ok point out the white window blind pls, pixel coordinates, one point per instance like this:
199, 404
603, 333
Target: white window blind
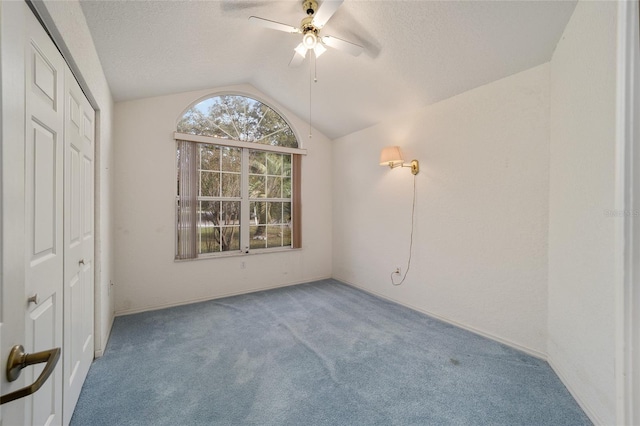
187, 200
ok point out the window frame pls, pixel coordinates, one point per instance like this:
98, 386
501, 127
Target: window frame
237, 144
296, 176
296, 198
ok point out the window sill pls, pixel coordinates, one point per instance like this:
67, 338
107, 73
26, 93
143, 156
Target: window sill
238, 254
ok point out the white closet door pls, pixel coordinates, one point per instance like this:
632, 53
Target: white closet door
43, 200
78, 241
44, 150
47, 236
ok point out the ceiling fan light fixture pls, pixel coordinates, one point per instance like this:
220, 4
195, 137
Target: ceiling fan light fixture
310, 27
309, 40
301, 50
319, 50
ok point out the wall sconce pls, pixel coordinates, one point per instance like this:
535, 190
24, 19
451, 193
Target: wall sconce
391, 156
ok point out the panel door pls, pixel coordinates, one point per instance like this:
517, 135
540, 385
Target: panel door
32, 203
78, 242
44, 186
43, 199
12, 60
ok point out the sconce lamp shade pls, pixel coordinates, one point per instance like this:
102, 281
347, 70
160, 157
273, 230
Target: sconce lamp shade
391, 156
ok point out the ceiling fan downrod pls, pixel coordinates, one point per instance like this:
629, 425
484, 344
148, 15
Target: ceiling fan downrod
309, 7
309, 31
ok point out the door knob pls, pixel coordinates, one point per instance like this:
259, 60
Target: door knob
81, 262
33, 299
18, 360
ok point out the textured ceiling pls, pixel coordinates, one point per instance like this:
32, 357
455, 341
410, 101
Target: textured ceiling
416, 52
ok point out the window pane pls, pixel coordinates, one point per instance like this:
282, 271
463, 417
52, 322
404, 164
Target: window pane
231, 159
286, 235
208, 218
258, 213
286, 167
208, 240
274, 187
239, 118
257, 162
209, 212
274, 164
274, 236
286, 187
229, 232
230, 185
218, 226
286, 212
257, 235
230, 238
275, 212
230, 213
209, 157
257, 186
210, 184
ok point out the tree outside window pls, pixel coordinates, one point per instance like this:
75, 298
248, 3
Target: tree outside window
237, 198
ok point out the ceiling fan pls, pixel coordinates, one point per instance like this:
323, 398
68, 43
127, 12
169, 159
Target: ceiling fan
310, 27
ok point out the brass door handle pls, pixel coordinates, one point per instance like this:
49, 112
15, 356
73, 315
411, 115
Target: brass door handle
19, 360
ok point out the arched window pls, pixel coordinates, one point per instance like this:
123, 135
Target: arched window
239, 118
238, 179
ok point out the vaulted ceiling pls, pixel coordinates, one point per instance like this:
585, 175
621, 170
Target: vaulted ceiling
416, 52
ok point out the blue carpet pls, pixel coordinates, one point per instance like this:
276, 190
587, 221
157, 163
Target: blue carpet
315, 354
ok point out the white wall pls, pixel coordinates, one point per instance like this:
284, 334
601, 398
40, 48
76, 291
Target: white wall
147, 277
479, 254
68, 27
628, 373
582, 246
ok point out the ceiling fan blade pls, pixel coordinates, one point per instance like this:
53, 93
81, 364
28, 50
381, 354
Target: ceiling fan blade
297, 58
325, 12
345, 46
267, 23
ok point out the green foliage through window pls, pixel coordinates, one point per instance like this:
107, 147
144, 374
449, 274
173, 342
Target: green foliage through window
225, 184
239, 118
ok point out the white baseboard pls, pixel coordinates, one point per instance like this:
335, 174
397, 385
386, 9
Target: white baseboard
217, 296
581, 402
529, 351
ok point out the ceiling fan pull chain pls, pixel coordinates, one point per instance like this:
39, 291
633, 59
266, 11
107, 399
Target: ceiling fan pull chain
315, 67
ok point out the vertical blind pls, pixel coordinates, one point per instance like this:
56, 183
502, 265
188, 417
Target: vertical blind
187, 200
297, 201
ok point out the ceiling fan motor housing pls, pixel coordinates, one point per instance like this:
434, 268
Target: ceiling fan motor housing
307, 25
309, 7
309, 31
